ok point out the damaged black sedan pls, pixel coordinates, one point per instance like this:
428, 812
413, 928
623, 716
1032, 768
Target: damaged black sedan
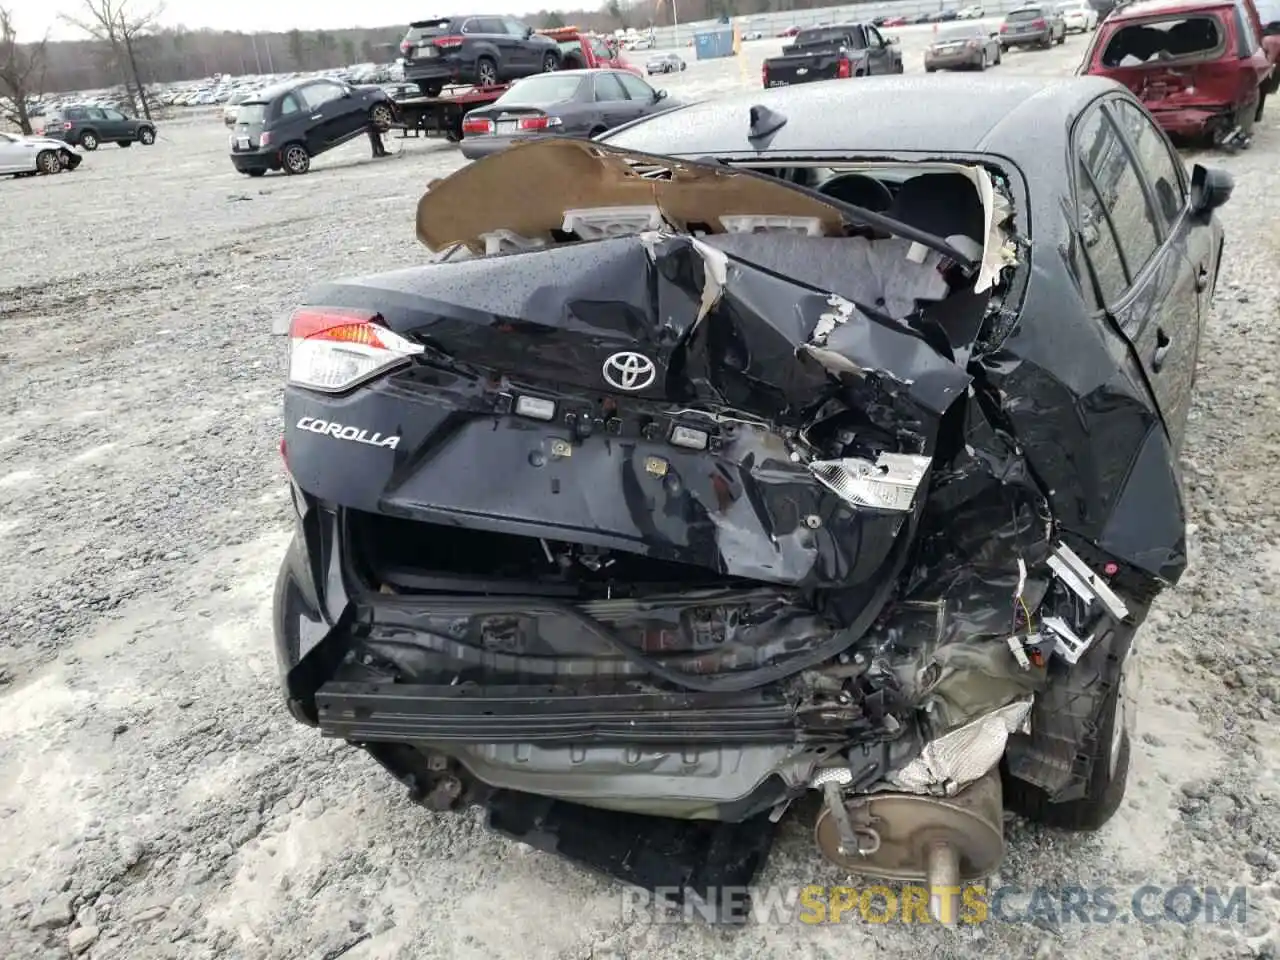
816, 440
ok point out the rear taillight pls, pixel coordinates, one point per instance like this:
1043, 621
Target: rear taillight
477, 125
764, 74
406, 47
334, 349
1039, 24
843, 68
1004, 28
68, 125
264, 139
538, 123
448, 43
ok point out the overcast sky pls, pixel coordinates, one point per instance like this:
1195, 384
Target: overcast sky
33, 17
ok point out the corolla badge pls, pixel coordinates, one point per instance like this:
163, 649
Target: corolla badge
629, 371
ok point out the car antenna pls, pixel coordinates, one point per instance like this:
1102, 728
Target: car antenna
764, 122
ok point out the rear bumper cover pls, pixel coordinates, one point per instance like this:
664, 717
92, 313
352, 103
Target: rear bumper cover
258, 160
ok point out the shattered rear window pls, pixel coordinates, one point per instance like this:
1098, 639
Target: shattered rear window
1162, 41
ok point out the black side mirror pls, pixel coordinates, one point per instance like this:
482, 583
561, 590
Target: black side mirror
528, 32
1211, 187
659, 95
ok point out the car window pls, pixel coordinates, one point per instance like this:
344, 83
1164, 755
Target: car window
252, 113
1249, 38
291, 103
316, 95
1162, 166
874, 36
1174, 39
636, 88
472, 26
608, 88
94, 113
1119, 200
1097, 242
75, 113
1026, 13
600, 50
541, 89
515, 27
489, 25
113, 114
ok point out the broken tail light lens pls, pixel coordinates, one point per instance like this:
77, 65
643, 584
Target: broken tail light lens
890, 483
448, 43
477, 125
538, 123
844, 68
333, 349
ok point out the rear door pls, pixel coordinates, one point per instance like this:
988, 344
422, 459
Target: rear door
492, 31
613, 104
1134, 231
525, 56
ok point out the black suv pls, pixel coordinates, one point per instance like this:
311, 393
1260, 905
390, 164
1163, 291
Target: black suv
480, 50
283, 127
86, 126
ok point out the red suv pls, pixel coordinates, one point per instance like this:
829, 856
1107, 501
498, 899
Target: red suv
1199, 66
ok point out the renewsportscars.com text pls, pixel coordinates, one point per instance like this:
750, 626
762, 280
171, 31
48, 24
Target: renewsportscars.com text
974, 903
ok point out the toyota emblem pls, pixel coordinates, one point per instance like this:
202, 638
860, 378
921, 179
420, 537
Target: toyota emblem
629, 371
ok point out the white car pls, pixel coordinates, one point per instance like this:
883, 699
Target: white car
1079, 16
969, 13
23, 155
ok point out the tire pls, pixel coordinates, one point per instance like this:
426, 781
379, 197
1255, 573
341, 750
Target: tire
550, 63
124, 143
295, 159
1105, 737
1262, 102
596, 131
430, 89
381, 117
486, 73
1062, 39
999, 55
146, 136
89, 140
982, 64
930, 69
47, 162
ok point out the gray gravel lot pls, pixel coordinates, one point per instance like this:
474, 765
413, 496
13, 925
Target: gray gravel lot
157, 801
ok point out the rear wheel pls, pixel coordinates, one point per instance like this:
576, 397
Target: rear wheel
89, 140
47, 162
295, 159
1062, 39
124, 143
430, 89
550, 63
983, 63
486, 72
146, 136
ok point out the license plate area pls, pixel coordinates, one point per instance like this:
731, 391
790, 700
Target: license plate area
505, 127
242, 143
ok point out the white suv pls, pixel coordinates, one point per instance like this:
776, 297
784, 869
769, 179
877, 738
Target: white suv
1079, 15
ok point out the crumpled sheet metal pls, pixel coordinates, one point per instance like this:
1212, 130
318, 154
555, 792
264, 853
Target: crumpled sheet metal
951, 762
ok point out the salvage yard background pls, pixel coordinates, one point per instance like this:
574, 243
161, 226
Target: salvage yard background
157, 801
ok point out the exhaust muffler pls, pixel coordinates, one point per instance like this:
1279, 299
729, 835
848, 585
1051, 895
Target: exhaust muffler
940, 842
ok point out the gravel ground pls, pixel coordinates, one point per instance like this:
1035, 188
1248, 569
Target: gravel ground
157, 801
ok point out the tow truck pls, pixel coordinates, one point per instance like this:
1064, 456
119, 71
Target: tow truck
442, 115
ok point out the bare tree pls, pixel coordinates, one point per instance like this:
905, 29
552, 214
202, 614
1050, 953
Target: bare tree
21, 72
118, 24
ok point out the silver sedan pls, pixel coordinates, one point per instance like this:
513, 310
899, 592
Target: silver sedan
970, 46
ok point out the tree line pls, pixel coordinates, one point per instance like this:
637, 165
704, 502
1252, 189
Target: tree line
126, 44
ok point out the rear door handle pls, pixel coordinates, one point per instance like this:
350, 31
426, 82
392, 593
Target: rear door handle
317, 116
1163, 343
1202, 278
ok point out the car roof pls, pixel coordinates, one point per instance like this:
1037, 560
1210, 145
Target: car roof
1155, 8
894, 114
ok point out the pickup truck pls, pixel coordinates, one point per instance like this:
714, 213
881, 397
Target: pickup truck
833, 52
